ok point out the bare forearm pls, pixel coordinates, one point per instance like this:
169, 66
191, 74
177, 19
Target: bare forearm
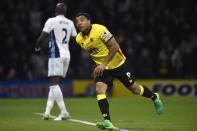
38, 43
113, 48
41, 39
111, 54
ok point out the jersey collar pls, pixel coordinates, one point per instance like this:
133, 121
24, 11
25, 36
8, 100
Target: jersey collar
60, 15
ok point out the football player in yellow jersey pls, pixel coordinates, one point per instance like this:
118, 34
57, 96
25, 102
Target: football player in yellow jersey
110, 63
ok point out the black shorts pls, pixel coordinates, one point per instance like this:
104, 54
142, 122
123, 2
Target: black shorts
122, 73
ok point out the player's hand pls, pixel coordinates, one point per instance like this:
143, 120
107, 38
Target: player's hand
98, 71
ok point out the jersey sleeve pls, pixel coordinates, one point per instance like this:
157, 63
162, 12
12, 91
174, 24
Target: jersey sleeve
73, 31
48, 27
105, 35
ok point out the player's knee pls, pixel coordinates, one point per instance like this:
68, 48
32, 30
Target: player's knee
101, 88
134, 90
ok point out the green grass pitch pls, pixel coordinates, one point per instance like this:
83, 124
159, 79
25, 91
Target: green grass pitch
135, 114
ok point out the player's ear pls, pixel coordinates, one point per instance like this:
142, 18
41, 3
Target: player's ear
89, 21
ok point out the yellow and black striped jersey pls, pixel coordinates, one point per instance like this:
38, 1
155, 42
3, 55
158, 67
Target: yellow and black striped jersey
94, 44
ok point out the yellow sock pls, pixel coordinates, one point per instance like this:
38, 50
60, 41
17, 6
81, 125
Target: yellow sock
141, 89
101, 96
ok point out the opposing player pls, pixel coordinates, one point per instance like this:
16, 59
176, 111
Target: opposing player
110, 63
59, 29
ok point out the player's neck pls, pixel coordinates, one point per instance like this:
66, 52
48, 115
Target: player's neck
87, 31
59, 14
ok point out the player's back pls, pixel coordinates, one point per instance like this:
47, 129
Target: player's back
61, 29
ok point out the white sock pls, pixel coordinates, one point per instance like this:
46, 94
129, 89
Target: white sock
50, 101
59, 99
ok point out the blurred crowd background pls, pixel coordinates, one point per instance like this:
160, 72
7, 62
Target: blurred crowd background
158, 37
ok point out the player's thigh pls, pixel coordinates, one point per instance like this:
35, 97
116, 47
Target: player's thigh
125, 74
104, 81
55, 67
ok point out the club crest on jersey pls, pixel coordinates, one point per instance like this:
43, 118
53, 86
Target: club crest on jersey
91, 50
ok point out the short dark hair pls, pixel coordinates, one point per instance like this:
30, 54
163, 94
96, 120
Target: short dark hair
84, 14
60, 8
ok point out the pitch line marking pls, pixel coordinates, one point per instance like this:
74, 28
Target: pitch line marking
81, 121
